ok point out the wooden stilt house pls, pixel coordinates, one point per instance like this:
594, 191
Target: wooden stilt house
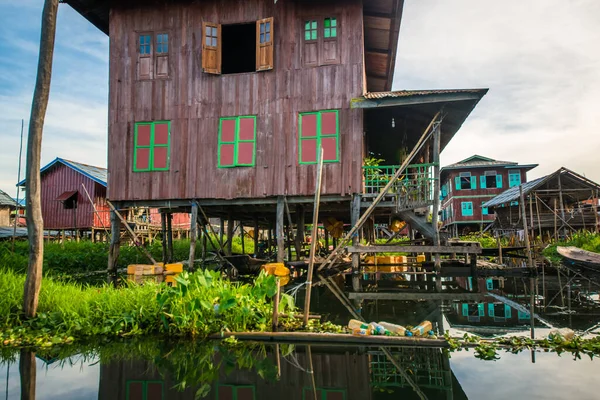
225, 104
7, 206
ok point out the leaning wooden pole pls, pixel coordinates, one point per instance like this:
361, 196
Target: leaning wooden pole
35, 223
529, 258
16, 221
193, 235
426, 135
313, 242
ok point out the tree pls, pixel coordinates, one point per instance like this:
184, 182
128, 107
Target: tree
35, 224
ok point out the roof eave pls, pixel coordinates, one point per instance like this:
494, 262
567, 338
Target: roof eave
363, 102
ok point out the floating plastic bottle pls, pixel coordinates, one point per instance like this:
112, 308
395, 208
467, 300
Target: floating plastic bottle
361, 331
565, 333
356, 324
377, 329
397, 329
422, 328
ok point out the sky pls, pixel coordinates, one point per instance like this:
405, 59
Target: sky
539, 58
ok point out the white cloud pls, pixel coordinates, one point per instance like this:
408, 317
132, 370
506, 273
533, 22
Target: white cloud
540, 60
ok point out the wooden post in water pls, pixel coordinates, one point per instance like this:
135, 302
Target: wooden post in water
193, 235
221, 231
242, 233
299, 230
314, 238
499, 248
529, 259
27, 373
595, 208
354, 217
163, 229
531, 218
537, 211
230, 229
555, 217
170, 236
562, 204
279, 234
276, 306
115, 246
436, 195
256, 230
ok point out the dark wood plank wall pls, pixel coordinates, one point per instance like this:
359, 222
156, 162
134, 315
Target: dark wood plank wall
194, 101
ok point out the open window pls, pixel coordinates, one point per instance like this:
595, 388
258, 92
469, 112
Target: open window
237, 48
465, 181
68, 199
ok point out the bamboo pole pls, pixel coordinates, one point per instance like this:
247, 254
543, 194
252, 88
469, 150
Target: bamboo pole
95, 211
313, 243
311, 371
35, 223
193, 236
18, 187
163, 231
426, 135
562, 204
279, 230
276, 306
595, 208
255, 237
537, 211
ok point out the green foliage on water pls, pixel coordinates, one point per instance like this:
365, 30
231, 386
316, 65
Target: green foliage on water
486, 240
84, 256
202, 303
585, 240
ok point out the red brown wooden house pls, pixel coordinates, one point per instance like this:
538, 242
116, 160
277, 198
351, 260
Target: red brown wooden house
468, 184
226, 103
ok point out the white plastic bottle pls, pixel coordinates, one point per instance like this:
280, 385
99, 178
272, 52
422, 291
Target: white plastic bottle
397, 329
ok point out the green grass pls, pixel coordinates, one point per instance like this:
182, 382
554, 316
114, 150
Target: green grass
85, 256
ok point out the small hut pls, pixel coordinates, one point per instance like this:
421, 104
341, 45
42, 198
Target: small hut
7, 206
561, 202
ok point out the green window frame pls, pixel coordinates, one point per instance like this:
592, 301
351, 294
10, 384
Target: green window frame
144, 388
151, 146
322, 393
236, 142
311, 29
234, 390
330, 27
514, 178
467, 208
484, 210
319, 136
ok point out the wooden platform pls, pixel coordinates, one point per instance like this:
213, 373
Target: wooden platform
332, 338
415, 249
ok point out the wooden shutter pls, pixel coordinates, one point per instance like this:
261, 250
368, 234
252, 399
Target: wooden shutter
330, 52
246, 141
211, 48
473, 182
145, 51
329, 135
482, 179
457, 182
142, 145
227, 135
160, 156
264, 44
507, 312
308, 138
481, 309
498, 181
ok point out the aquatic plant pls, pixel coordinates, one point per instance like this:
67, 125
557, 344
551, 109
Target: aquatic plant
585, 240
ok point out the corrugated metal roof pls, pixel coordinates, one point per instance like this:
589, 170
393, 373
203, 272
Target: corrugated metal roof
6, 200
409, 93
97, 174
514, 193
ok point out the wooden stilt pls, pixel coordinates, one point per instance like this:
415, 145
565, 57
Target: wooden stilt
163, 228
269, 241
170, 236
242, 233
562, 204
279, 235
595, 208
256, 233
299, 231
115, 246
230, 230
193, 234
221, 231
326, 240
354, 217
276, 307
555, 224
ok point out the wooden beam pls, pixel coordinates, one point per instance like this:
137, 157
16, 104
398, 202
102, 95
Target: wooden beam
415, 249
362, 102
415, 296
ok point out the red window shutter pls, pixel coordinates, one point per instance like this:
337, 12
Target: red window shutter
329, 123
228, 130
246, 129
161, 157
329, 145
245, 154
135, 390
161, 134
154, 391
309, 125
245, 393
308, 150
142, 158
226, 155
143, 135
225, 392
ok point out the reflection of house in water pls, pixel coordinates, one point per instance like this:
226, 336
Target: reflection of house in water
339, 374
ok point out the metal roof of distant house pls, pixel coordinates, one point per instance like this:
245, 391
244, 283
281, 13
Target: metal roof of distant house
513, 193
6, 200
477, 161
97, 174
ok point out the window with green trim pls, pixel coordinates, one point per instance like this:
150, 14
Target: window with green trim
514, 177
152, 142
236, 392
323, 394
330, 28
467, 208
311, 30
237, 142
317, 130
145, 390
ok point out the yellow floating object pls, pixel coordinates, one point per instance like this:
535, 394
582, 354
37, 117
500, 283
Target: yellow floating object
334, 227
420, 258
397, 225
176, 267
170, 280
277, 269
